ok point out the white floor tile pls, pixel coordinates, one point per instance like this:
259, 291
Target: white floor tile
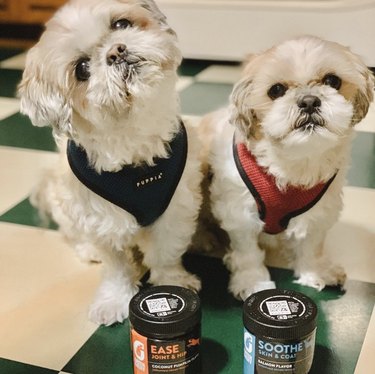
194, 121
351, 241
365, 364
183, 82
220, 74
45, 294
15, 62
20, 169
8, 107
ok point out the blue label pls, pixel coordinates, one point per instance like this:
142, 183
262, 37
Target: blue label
293, 356
249, 353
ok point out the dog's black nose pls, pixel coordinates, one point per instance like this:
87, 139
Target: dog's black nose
116, 54
309, 103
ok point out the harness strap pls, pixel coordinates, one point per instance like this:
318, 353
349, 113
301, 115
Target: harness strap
275, 207
144, 191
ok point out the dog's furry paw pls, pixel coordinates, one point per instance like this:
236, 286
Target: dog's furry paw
331, 276
245, 283
111, 304
175, 277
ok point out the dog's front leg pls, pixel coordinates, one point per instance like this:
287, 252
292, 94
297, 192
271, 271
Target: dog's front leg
313, 267
163, 251
117, 287
245, 261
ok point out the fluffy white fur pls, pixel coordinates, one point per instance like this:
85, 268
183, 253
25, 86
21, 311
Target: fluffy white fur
122, 114
297, 156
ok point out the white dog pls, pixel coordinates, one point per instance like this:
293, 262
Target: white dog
279, 155
103, 76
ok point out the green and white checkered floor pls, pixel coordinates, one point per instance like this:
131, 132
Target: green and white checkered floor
45, 291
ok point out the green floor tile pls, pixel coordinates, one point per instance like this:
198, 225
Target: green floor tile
342, 324
6, 53
201, 98
13, 367
9, 80
25, 214
17, 131
191, 68
107, 351
362, 170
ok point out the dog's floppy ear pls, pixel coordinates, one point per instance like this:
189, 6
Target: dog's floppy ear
151, 6
241, 115
363, 97
42, 99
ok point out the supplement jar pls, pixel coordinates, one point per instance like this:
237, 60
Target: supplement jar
279, 334
165, 329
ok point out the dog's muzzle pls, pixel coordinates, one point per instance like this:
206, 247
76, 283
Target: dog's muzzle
309, 104
118, 56
310, 117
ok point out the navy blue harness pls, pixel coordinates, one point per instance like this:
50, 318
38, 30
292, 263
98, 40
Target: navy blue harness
144, 191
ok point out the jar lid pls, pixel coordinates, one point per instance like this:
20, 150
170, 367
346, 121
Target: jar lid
279, 314
165, 311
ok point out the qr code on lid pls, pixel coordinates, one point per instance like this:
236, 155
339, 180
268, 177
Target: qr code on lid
276, 308
158, 305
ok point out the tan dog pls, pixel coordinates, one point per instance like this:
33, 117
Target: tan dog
279, 156
103, 75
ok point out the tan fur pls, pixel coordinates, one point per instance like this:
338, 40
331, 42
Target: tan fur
294, 156
123, 114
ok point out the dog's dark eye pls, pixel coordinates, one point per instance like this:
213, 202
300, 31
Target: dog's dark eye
332, 80
82, 70
277, 90
121, 24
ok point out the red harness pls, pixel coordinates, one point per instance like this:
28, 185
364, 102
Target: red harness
275, 207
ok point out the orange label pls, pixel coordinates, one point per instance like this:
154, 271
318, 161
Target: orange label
140, 353
193, 342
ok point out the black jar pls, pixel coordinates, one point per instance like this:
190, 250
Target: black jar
165, 329
279, 334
